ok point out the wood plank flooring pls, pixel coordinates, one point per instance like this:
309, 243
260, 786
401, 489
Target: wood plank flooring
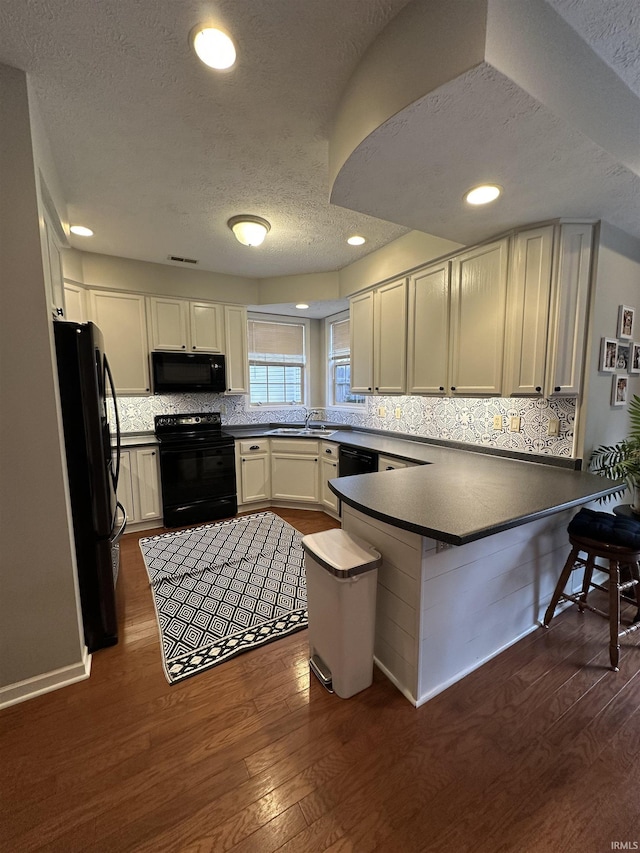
536, 751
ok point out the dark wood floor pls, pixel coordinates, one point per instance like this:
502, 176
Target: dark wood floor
537, 751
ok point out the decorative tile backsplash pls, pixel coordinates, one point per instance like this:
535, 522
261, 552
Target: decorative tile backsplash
467, 420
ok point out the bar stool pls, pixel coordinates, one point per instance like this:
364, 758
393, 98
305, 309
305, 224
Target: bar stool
616, 540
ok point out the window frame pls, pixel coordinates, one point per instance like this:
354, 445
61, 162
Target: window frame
287, 321
329, 367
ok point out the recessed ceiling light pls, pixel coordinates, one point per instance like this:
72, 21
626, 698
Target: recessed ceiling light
483, 194
356, 240
81, 231
213, 47
302, 306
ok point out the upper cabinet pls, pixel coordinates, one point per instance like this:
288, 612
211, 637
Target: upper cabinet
179, 324
477, 328
122, 320
378, 339
237, 359
428, 330
75, 305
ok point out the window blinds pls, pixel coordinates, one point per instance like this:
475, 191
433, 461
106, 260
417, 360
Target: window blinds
282, 343
340, 345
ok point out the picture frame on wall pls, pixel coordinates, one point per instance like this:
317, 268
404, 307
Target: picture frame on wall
623, 356
608, 355
619, 389
626, 319
634, 359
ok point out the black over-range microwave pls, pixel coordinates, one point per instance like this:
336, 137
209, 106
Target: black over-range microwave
185, 371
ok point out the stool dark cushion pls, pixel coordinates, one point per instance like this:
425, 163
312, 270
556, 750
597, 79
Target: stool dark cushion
614, 529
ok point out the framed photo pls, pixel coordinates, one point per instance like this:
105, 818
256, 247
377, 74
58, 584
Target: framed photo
634, 363
626, 317
608, 355
623, 356
619, 389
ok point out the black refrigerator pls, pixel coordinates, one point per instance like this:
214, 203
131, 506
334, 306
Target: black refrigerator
92, 446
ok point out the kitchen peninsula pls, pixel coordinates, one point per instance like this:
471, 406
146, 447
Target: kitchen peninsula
442, 611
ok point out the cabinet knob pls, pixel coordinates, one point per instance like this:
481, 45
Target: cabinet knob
453, 387
184, 346
442, 388
335, 464
389, 468
193, 347
328, 450
368, 389
153, 453
377, 388
147, 389
538, 389
557, 388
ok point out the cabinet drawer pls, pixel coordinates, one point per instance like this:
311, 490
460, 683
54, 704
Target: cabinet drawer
254, 445
329, 451
294, 445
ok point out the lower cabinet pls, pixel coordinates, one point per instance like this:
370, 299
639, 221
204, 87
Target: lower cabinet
328, 471
139, 484
295, 472
253, 470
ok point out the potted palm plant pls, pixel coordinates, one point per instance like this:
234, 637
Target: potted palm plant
621, 461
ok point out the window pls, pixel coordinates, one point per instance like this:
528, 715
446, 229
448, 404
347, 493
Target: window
277, 362
340, 364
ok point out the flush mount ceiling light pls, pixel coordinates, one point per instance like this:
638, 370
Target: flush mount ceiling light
81, 231
249, 230
302, 306
483, 194
213, 47
356, 240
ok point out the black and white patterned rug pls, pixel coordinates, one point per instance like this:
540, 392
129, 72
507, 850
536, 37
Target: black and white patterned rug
222, 589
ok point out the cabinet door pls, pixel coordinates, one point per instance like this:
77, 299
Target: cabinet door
478, 303
255, 477
237, 359
125, 485
74, 303
294, 477
569, 299
169, 323
206, 327
361, 331
528, 312
428, 331
121, 319
53, 268
328, 471
148, 483
390, 337
389, 463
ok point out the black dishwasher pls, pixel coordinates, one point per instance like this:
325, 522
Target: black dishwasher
353, 460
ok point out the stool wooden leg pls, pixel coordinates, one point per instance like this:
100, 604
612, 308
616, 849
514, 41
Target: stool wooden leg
614, 613
635, 572
562, 582
586, 580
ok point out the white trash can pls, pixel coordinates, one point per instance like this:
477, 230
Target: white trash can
342, 578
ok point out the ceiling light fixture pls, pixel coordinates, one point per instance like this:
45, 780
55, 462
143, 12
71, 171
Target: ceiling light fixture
483, 194
81, 231
302, 306
356, 240
213, 47
249, 230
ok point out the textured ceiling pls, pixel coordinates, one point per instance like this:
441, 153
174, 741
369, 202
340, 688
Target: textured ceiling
155, 152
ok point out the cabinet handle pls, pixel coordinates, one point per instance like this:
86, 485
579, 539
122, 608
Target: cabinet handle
538, 389
335, 464
389, 468
557, 388
453, 387
328, 450
255, 447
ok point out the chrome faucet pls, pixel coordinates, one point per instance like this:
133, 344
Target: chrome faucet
309, 413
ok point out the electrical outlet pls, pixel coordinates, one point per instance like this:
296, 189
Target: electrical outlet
514, 424
223, 409
398, 413
382, 411
497, 421
553, 427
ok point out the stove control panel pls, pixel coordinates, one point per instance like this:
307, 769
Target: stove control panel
203, 420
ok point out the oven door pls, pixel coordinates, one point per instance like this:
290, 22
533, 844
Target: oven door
198, 482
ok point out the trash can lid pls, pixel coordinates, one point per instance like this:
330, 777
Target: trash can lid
341, 553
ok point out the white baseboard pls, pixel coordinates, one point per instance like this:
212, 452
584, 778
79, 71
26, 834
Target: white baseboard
395, 681
21, 691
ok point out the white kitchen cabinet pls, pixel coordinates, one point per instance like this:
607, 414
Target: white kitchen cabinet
294, 470
180, 324
139, 484
328, 471
392, 463
478, 314
52, 266
568, 314
378, 330
75, 305
361, 332
253, 460
121, 318
428, 330
237, 358
528, 312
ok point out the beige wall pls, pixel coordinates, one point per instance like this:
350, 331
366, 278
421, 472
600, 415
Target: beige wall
617, 282
39, 621
311, 287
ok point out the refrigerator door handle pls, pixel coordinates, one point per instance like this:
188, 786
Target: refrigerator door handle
116, 537
109, 375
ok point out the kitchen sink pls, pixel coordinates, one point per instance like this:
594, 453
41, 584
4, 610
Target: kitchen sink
301, 431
